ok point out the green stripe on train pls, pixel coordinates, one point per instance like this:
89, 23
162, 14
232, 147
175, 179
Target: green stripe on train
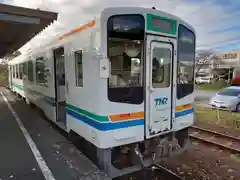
87, 113
76, 109
18, 86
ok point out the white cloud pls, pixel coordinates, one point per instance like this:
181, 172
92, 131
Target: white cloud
205, 16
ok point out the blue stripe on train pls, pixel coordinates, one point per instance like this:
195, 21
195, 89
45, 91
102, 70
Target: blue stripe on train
184, 112
105, 126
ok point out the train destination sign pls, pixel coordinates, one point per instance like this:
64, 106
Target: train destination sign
161, 24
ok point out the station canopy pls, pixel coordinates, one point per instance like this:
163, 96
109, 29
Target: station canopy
18, 25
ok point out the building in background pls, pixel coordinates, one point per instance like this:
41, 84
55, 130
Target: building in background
225, 64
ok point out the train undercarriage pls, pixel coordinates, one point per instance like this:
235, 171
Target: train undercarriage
134, 157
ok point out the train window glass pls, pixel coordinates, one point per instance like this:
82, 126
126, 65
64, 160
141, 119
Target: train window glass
12, 67
126, 26
186, 62
21, 71
30, 70
13, 71
161, 64
40, 71
125, 83
125, 51
25, 70
10, 70
17, 71
78, 68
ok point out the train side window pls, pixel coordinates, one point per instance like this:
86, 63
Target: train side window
25, 70
186, 62
30, 70
12, 67
78, 68
40, 71
17, 71
13, 70
21, 71
10, 70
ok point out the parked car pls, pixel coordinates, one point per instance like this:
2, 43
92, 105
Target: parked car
228, 98
203, 80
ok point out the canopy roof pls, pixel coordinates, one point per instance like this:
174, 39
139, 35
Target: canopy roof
18, 25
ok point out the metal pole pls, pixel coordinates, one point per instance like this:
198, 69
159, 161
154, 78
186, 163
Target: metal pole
228, 75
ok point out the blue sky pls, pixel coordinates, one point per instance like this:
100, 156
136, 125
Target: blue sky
232, 7
216, 21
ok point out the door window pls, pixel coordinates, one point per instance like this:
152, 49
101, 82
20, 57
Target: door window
161, 67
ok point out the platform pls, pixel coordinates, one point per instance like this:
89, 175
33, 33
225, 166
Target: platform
17, 160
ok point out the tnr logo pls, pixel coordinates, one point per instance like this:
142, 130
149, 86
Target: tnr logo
161, 101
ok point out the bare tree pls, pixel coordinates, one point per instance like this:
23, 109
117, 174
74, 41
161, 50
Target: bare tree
203, 57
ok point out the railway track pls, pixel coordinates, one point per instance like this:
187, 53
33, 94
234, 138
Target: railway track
221, 140
155, 172
165, 174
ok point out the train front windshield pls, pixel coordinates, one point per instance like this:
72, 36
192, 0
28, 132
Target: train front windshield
125, 51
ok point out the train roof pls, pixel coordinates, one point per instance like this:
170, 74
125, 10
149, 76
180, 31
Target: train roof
19, 25
109, 11
17, 59
105, 14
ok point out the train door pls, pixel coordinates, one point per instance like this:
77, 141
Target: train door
59, 76
160, 86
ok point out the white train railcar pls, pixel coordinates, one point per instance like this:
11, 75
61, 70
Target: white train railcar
124, 82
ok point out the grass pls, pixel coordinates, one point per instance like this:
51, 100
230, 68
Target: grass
219, 117
212, 87
235, 157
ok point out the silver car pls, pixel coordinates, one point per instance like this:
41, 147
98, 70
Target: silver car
228, 98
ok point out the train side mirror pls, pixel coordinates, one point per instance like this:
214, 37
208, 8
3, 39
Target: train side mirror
105, 66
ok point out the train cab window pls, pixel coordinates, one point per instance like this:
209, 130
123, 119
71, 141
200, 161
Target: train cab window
78, 68
161, 67
125, 52
40, 71
186, 62
30, 70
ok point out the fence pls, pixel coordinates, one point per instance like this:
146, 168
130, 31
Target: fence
224, 118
